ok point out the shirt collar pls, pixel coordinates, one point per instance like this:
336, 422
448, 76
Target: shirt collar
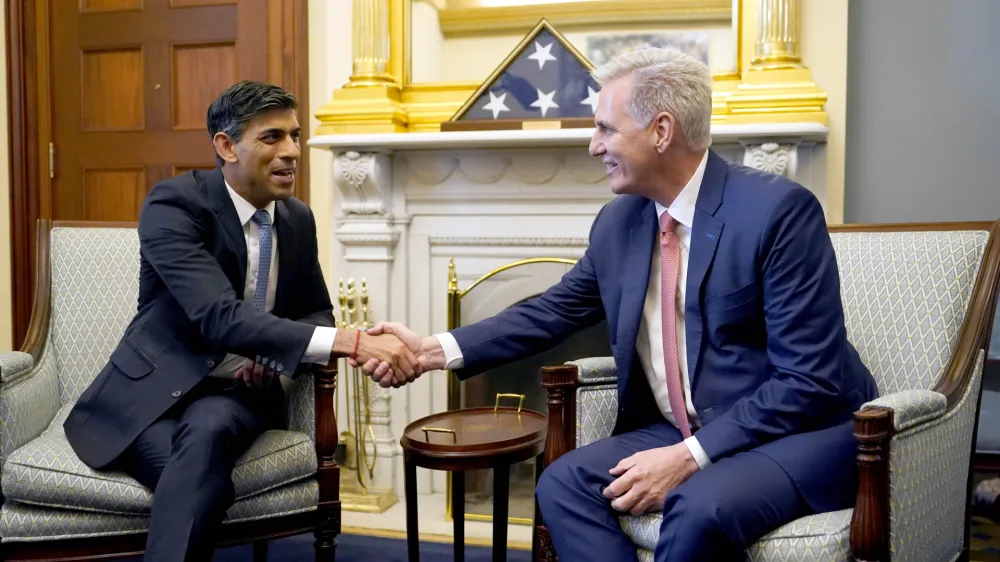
682, 209
244, 209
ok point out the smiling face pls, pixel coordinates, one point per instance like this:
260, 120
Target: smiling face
262, 165
627, 148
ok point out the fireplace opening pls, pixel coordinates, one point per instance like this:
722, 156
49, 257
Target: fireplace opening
495, 292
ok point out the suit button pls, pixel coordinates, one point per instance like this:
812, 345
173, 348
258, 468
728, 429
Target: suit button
210, 363
176, 394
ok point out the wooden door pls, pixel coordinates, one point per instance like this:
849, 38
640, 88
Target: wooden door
108, 97
132, 80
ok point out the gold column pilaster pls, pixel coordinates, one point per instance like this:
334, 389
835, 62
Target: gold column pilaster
370, 36
372, 101
778, 34
777, 86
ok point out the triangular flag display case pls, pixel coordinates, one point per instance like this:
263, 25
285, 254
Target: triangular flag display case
545, 83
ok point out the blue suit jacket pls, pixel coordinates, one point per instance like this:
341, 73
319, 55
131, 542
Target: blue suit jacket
191, 310
770, 366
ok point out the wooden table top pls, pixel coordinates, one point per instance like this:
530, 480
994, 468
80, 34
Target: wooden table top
472, 438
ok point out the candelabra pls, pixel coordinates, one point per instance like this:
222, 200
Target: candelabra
360, 454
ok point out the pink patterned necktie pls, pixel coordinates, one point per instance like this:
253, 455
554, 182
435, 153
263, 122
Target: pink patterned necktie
670, 262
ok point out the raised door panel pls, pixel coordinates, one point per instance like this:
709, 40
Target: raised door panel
132, 82
200, 73
113, 194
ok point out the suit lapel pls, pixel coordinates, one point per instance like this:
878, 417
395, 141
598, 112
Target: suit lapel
223, 207
635, 278
287, 256
705, 234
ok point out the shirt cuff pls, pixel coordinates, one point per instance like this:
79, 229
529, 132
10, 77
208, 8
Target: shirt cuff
320, 346
697, 452
452, 353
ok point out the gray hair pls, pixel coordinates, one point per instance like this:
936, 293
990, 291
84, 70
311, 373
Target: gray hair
666, 80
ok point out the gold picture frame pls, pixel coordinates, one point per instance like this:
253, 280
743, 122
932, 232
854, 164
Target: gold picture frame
769, 84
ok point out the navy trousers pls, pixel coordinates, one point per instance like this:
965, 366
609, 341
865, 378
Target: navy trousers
187, 457
714, 516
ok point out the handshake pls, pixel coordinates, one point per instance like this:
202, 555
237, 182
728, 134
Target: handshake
390, 353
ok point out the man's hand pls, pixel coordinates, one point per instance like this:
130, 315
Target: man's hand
254, 374
427, 350
381, 348
645, 478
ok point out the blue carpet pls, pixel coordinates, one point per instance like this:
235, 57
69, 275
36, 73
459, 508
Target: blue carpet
357, 548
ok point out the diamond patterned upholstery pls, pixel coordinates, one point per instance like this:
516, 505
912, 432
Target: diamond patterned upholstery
821, 538
45, 472
905, 297
911, 407
14, 364
49, 492
26, 523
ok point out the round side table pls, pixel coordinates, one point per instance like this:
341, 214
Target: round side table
470, 439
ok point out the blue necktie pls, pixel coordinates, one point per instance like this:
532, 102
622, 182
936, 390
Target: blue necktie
263, 221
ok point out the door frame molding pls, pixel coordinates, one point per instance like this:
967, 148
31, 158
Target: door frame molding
29, 110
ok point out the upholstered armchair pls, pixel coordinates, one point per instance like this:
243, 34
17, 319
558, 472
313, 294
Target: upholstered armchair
57, 508
918, 302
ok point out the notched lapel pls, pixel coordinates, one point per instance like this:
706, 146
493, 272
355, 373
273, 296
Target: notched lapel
704, 240
635, 279
288, 257
705, 235
223, 207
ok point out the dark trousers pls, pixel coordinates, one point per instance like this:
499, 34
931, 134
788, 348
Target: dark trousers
714, 516
186, 458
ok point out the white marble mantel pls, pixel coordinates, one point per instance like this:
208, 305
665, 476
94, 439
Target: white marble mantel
388, 143
407, 203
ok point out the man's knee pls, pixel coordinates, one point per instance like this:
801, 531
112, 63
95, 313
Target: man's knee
551, 484
695, 515
569, 475
212, 429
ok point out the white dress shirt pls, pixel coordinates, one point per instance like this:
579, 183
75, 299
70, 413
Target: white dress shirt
649, 342
321, 345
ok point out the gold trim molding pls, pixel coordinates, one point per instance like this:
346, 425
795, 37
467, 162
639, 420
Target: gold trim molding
771, 84
471, 19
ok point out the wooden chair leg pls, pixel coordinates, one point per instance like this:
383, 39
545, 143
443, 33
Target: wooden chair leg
544, 551
260, 551
326, 541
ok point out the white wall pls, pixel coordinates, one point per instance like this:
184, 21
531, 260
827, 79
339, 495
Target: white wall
329, 69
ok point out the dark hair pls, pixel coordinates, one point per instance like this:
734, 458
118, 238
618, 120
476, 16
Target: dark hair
241, 102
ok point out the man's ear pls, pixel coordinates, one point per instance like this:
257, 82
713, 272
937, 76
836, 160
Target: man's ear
663, 130
225, 147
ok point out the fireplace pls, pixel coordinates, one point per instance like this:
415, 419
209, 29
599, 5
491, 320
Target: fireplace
495, 291
407, 204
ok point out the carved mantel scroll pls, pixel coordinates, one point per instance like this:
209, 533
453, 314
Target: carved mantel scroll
364, 180
776, 158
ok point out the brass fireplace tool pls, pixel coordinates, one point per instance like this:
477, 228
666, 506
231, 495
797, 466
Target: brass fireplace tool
358, 491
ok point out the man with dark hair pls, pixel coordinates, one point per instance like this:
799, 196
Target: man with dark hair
230, 295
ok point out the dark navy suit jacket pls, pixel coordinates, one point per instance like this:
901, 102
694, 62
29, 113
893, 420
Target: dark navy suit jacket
193, 254
770, 366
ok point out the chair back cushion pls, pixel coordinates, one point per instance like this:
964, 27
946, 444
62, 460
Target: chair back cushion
905, 295
95, 287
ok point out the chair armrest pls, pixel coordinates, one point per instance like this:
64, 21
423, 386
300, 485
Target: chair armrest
595, 370
14, 365
911, 407
328, 472
29, 399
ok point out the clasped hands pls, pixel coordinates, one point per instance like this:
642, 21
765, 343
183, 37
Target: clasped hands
393, 355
